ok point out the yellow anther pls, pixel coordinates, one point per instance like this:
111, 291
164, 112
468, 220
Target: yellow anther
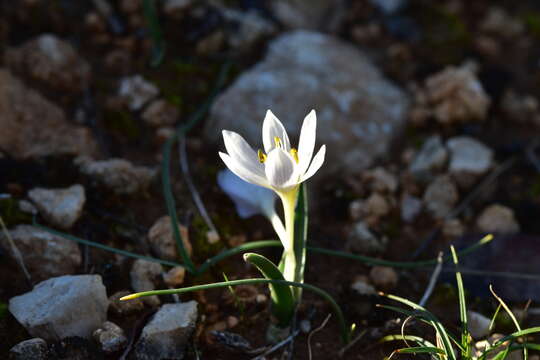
262, 156
294, 154
277, 140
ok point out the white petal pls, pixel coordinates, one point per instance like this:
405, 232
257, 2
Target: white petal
279, 168
249, 199
306, 145
271, 129
316, 164
245, 173
240, 150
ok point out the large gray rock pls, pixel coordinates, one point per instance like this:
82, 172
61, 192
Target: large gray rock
61, 307
31, 126
359, 112
166, 335
62, 207
44, 254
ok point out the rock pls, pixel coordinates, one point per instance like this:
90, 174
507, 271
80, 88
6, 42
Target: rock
441, 196
388, 7
299, 14
481, 346
61, 207
34, 127
160, 113
497, 219
357, 209
431, 158
52, 61
62, 306
478, 324
410, 207
175, 276
383, 277
176, 8
27, 207
380, 180
211, 44
137, 91
376, 205
246, 28
110, 337
143, 276
362, 286
118, 175
497, 21
523, 109
32, 349
356, 119
361, 240
162, 241
168, 332
469, 159
44, 254
453, 229
454, 95
124, 308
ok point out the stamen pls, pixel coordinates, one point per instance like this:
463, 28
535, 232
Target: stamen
277, 140
262, 156
294, 154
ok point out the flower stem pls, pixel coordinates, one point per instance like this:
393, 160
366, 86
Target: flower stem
289, 205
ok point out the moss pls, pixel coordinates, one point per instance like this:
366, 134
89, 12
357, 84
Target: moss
123, 123
11, 214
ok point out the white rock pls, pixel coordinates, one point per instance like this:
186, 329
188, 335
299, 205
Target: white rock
119, 175
137, 91
478, 324
441, 196
362, 286
167, 334
144, 275
357, 120
410, 207
431, 157
62, 207
383, 277
361, 240
61, 307
497, 219
381, 180
32, 349
247, 28
110, 337
469, 159
44, 254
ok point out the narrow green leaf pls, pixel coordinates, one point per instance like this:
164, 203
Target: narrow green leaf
283, 303
465, 335
345, 335
300, 235
158, 44
421, 350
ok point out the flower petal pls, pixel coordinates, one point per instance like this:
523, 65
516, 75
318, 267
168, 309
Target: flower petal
316, 164
280, 168
246, 173
271, 129
306, 145
240, 150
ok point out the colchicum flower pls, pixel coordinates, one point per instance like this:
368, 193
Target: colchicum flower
279, 167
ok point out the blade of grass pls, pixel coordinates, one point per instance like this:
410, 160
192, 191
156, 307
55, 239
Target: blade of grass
335, 307
465, 336
105, 247
158, 44
300, 241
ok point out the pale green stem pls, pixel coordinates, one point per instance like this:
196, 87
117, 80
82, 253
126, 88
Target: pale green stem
289, 206
276, 222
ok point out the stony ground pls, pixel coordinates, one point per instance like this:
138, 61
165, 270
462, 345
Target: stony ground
429, 111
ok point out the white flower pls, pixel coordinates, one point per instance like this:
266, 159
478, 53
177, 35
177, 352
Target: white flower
280, 167
249, 199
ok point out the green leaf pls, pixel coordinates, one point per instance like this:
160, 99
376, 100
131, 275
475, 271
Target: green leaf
421, 350
465, 335
345, 333
158, 44
300, 238
283, 303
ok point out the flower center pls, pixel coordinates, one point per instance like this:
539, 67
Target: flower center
294, 154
